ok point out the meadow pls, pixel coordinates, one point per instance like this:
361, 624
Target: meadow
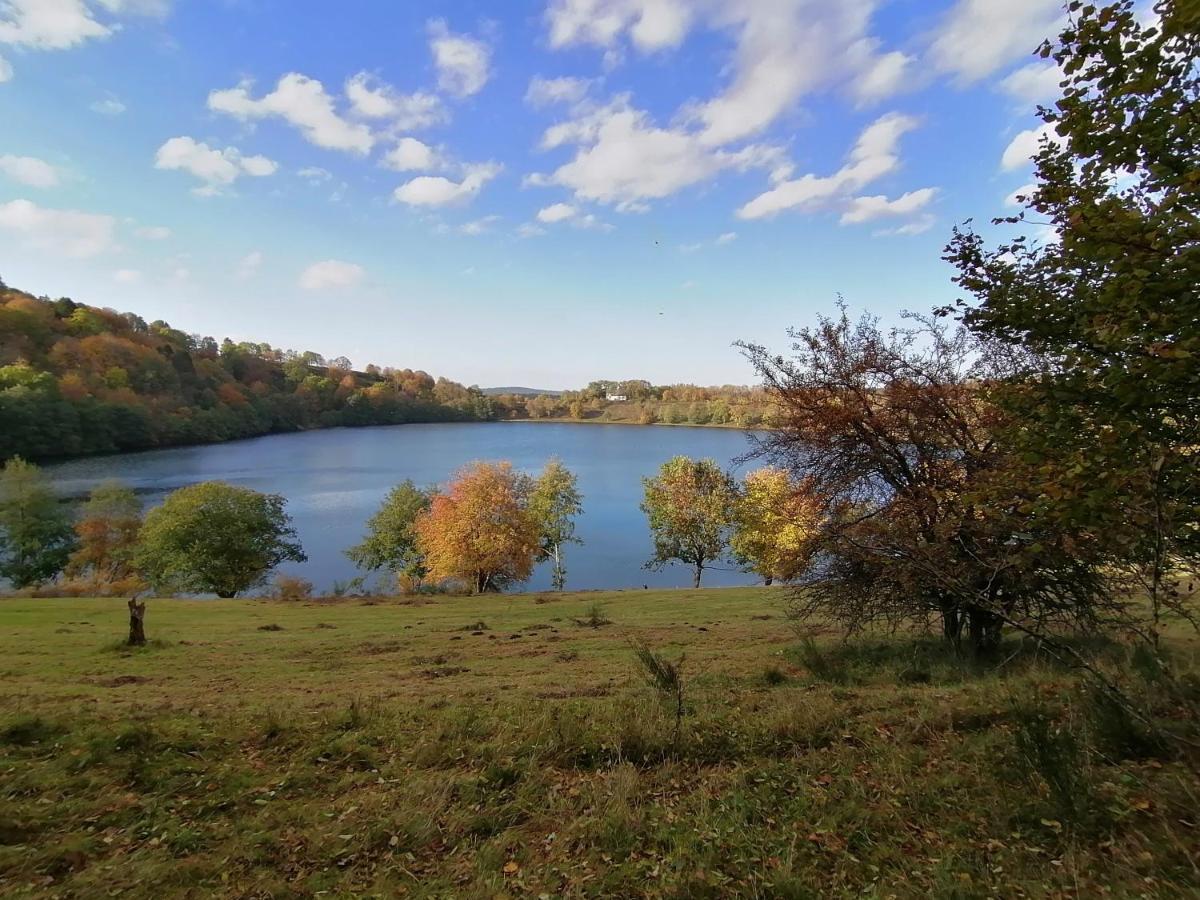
511, 746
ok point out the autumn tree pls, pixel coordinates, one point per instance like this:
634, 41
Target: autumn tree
35, 529
554, 502
480, 531
216, 538
1107, 412
896, 438
391, 540
774, 519
107, 533
690, 506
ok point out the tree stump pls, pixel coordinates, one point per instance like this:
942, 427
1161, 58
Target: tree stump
137, 623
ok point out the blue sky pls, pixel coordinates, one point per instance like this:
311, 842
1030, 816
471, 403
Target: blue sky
521, 193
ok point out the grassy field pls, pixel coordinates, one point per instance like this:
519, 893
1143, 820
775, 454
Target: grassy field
510, 747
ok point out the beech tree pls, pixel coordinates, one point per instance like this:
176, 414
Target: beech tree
689, 505
216, 538
479, 531
107, 534
554, 502
35, 529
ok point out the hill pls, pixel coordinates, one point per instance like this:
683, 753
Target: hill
76, 379
519, 392
502, 746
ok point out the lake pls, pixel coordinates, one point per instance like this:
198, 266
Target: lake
335, 479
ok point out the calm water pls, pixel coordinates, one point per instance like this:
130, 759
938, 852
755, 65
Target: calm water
335, 479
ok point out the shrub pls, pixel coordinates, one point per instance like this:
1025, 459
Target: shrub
292, 587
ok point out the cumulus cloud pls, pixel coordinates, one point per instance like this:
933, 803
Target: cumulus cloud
865, 209
249, 265
1024, 191
411, 155
556, 212
216, 168
726, 238
652, 24
435, 190
6, 72
63, 232
548, 91
153, 233
29, 170
623, 158
314, 175
371, 98
883, 77
1034, 83
479, 226
109, 106
873, 156
331, 274
127, 276
462, 61
48, 24
304, 104
1022, 148
977, 37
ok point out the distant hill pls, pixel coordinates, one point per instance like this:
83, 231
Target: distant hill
520, 392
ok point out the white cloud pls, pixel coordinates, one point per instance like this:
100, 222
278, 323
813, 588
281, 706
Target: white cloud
153, 233
217, 168
1025, 190
727, 238
623, 158
6, 72
462, 61
303, 103
653, 24
864, 209
528, 230
691, 248
29, 170
1022, 148
48, 24
1034, 83
479, 226
372, 98
919, 225
873, 156
548, 91
883, 77
556, 212
977, 37
249, 265
331, 274
155, 8
109, 106
127, 276
434, 190
314, 175
411, 155
65, 232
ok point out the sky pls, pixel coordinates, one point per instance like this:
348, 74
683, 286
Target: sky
534, 192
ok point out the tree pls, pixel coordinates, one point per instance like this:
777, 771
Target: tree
774, 519
391, 541
1107, 412
897, 440
480, 531
690, 507
216, 538
107, 534
35, 530
554, 503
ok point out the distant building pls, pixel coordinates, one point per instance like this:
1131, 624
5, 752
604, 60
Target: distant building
615, 398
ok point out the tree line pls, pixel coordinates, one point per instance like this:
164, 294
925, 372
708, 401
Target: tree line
485, 531
77, 379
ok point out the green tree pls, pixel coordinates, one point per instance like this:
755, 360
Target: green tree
107, 531
391, 542
1108, 406
35, 530
690, 505
216, 538
554, 502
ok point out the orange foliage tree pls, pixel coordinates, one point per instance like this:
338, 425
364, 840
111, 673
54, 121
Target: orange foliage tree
480, 531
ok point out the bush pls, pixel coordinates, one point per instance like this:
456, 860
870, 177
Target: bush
291, 587
1052, 753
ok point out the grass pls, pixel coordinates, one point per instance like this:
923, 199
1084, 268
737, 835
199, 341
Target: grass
483, 747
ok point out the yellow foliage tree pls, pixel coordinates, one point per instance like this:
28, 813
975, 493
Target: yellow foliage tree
480, 531
774, 519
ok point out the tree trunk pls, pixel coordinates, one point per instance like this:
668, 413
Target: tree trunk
985, 629
137, 623
226, 595
951, 624
768, 580
696, 575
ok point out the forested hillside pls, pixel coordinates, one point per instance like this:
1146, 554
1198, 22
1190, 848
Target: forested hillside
77, 379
